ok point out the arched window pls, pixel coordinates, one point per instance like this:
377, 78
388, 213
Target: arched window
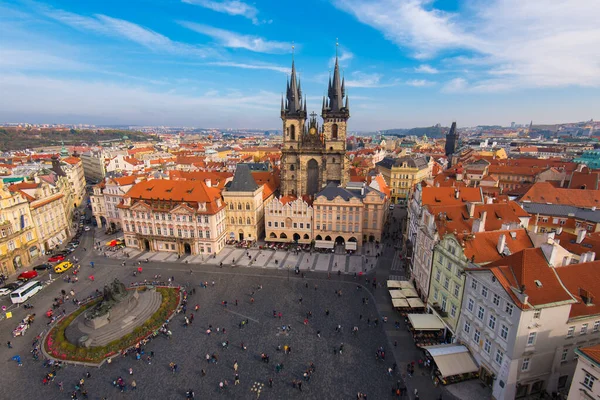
231, 206
334, 131
247, 206
293, 132
292, 167
333, 159
232, 220
240, 221
247, 221
239, 206
331, 148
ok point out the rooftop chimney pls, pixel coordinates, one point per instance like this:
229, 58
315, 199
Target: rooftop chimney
483, 218
501, 243
471, 207
581, 235
559, 230
208, 182
456, 193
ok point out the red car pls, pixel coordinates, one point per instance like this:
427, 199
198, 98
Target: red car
27, 275
56, 258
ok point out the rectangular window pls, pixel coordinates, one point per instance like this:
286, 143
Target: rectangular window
596, 326
537, 314
295, 225
496, 299
269, 223
474, 284
476, 336
444, 302
531, 338
480, 313
456, 290
276, 224
504, 332
453, 311
467, 327
588, 381
200, 234
208, 237
449, 266
492, 322
487, 346
438, 275
301, 225
583, 329
564, 355
499, 357
446, 283
484, 291
171, 231
179, 232
435, 294
509, 309
471, 305
571, 331
525, 365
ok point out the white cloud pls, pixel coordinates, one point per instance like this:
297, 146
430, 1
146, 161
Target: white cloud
29, 97
238, 41
359, 79
344, 58
271, 67
231, 7
426, 69
455, 85
514, 43
419, 82
107, 26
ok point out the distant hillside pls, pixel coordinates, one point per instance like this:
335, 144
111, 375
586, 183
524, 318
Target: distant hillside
23, 138
431, 131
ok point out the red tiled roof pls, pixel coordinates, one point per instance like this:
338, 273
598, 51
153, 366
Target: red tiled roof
569, 242
592, 352
544, 192
524, 270
584, 180
180, 191
72, 160
449, 196
482, 247
582, 281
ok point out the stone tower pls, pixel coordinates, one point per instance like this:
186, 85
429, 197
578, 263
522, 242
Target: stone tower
451, 142
313, 156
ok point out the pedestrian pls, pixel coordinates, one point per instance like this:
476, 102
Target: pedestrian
60, 386
300, 385
130, 371
318, 334
327, 311
236, 302
9, 344
235, 365
133, 385
203, 373
236, 379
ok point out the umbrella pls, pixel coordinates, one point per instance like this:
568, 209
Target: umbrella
113, 243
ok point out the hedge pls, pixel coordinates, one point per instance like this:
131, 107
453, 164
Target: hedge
57, 345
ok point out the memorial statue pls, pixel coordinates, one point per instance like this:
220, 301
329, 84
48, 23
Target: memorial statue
111, 296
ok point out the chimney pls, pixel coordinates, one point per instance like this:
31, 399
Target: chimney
591, 256
535, 229
483, 218
456, 193
208, 182
559, 230
490, 200
581, 235
501, 243
471, 207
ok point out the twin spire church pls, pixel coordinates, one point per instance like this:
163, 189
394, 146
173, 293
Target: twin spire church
314, 155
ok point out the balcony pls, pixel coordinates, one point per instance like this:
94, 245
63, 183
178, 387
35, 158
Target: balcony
438, 309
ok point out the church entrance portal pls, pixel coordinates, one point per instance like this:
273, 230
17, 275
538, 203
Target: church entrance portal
312, 177
187, 248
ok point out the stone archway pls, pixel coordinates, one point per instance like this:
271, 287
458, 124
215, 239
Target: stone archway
312, 177
319, 237
296, 237
340, 240
187, 249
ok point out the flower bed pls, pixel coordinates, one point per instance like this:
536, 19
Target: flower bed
57, 345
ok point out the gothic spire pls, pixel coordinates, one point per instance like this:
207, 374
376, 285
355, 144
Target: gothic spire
292, 106
336, 89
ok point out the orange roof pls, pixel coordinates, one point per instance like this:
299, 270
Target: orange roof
140, 150
582, 280
132, 161
287, 199
450, 195
218, 179
268, 180
72, 160
592, 352
544, 192
456, 217
569, 242
191, 192
47, 200
383, 187
584, 180
521, 271
125, 180
482, 247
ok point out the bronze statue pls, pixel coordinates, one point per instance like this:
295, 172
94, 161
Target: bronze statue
111, 295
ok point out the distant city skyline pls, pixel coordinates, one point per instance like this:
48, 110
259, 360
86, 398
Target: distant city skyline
211, 63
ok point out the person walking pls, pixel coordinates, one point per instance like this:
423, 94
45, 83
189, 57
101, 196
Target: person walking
236, 380
235, 365
133, 385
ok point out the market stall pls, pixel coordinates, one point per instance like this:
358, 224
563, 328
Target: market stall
410, 292
400, 284
416, 304
427, 329
397, 294
452, 363
401, 305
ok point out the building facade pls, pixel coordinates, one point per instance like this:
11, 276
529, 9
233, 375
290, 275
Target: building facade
18, 240
182, 217
313, 156
584, 386
93, 166
73, 168
288, 219
401, 175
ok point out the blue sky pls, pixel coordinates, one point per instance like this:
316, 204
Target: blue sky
223, 63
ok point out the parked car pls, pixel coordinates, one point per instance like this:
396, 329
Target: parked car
74, 244
13, 286
62, 267
27, 275
56, 258
42, 267
4, 291
87, 228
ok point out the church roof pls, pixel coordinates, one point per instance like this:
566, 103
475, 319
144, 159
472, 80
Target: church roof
242, 180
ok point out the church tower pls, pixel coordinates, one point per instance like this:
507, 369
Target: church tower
451, 142
313, 156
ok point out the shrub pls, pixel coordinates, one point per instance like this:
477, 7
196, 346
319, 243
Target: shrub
57, 345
